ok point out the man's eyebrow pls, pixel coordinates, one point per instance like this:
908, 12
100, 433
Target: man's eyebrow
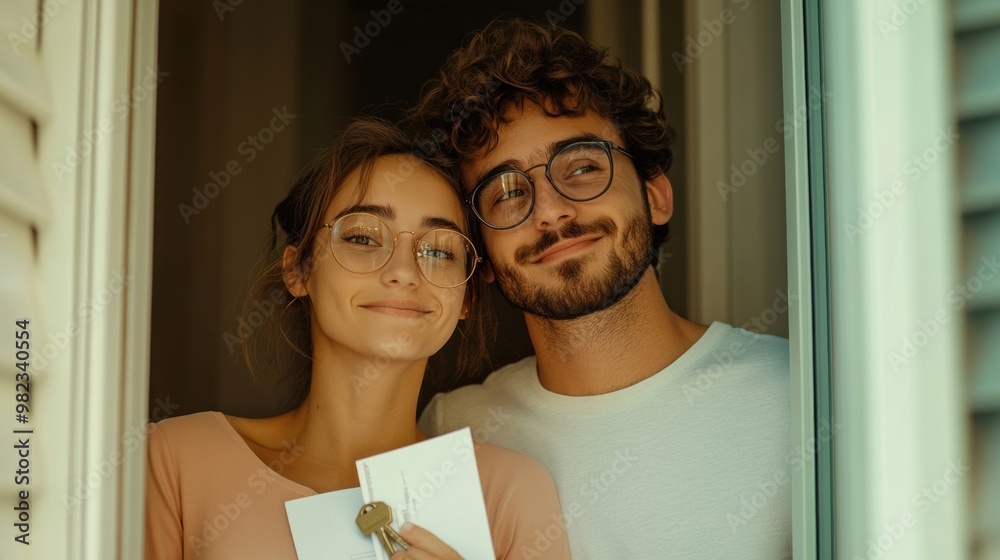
518, 165
381, 210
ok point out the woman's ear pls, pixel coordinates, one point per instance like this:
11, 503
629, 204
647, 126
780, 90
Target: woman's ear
661, 199
292, 273
467, 301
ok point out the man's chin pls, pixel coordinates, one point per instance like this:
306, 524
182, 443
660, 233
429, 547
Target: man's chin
579, 285
569, 291
575, 269
554, 300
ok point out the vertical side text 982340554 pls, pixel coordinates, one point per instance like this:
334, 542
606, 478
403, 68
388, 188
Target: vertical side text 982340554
21, 432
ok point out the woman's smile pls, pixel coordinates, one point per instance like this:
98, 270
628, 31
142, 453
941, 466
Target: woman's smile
397, 308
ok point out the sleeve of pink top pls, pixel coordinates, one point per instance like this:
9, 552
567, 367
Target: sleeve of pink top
521, 500
163, 516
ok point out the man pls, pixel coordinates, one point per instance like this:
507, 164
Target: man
666, 438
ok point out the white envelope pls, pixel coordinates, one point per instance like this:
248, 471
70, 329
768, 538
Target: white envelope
323, 527
434, 483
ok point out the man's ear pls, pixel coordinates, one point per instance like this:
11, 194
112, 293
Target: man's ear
661, 199
291, 272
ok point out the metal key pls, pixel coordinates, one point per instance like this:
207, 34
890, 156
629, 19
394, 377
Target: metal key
376, 517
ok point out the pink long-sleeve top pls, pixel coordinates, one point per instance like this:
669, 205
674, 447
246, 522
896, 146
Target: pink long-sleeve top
208, 497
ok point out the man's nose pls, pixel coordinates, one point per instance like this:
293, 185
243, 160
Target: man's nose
551, 208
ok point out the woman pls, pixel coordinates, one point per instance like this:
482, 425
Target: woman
377, 271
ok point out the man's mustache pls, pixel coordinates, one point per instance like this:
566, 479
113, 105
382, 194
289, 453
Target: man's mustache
526, 253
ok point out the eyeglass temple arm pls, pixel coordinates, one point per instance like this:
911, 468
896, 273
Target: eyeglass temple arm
620, 149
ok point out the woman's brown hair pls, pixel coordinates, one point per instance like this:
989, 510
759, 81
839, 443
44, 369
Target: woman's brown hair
282, 339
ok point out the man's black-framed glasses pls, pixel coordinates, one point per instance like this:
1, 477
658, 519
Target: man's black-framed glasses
580, 171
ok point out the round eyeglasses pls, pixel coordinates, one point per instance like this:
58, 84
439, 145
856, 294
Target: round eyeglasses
362, 243
580, 171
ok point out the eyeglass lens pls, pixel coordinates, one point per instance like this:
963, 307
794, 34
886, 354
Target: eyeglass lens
580, 171
362, 243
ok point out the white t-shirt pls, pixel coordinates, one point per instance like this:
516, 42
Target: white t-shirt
693, 462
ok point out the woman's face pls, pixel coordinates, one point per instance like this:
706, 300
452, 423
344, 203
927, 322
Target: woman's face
392, 313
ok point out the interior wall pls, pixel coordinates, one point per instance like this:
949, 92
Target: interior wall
756, 140
675, 254
232, 122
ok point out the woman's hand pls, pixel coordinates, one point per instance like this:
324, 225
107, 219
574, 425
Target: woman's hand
423, 545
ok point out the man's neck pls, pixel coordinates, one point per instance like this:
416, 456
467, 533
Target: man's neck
614, 348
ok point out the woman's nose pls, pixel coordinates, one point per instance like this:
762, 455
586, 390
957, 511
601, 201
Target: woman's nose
402, 266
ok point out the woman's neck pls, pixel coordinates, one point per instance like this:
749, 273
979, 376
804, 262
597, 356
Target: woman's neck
361, 407
356, 408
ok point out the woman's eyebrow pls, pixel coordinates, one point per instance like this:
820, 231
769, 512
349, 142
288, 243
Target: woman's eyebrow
388, 212
440, 223
383, 211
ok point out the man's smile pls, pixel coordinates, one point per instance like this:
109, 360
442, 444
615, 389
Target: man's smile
571, 238
566, 248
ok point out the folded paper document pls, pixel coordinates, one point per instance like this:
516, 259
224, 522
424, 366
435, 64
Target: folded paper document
434, 484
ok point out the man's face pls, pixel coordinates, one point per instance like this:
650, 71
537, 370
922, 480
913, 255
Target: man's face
568, 259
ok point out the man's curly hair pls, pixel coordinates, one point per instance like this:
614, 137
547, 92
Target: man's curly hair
513, 61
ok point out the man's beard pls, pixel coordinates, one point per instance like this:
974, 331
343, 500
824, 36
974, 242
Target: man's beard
580, 294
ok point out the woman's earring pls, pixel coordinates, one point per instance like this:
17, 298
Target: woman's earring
465, 313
